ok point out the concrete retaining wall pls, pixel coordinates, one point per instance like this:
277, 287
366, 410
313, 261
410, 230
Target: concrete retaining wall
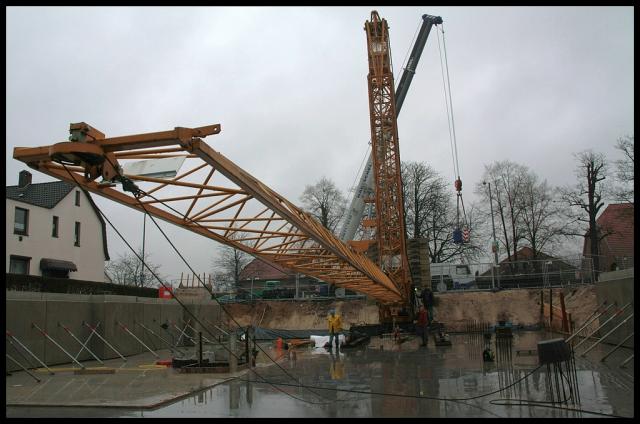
617, 286
52, 311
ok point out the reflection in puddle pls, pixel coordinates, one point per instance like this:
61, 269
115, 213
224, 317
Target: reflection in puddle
399, 381
422, 376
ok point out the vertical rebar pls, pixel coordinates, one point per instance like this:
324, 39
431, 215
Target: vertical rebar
200, 348
233, 359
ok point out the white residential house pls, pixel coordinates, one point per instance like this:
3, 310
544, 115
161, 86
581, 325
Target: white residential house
55, 230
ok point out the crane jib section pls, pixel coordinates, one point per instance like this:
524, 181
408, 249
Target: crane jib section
211, 196
390, 227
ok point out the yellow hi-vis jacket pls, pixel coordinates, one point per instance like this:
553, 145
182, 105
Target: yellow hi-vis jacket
335, 324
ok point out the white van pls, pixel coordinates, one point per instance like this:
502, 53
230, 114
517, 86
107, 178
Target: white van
446, 276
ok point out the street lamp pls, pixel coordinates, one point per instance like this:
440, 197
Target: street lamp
493, 227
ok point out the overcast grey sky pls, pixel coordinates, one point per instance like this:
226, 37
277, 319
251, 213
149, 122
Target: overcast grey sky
288, 85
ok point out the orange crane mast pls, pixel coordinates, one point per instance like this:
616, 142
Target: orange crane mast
389, 203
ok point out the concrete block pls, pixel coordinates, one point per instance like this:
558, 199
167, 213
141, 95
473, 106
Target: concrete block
169, 313
71, 314
621, 291
151, 316
19, 316
124, 313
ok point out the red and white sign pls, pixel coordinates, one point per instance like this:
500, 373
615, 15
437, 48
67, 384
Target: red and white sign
165, 293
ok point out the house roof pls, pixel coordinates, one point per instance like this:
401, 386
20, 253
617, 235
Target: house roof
45, 195
618, 219
265, 271
526, 253
48, 195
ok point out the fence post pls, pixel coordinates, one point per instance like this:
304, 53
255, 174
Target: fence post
233, 359
565, 321
550, 308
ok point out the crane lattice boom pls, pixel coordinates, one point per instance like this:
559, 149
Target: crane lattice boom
214, 197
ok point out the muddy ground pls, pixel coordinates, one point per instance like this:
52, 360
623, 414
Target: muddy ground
522, 307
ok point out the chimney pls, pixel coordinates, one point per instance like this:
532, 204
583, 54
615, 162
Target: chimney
24, 179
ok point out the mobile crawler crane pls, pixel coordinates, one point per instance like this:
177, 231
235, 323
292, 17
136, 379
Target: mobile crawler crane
223, 202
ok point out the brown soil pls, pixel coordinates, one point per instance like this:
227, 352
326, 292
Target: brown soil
580, 302
522, 307
517, 306
289, 315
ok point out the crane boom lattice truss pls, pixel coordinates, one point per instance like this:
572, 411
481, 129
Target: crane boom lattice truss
214, 198
390, 227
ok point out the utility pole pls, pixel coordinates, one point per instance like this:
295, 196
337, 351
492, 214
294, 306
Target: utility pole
494, 247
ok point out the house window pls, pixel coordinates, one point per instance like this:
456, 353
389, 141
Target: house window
54, 229
77, 198
19, 264
77, 235
21, 222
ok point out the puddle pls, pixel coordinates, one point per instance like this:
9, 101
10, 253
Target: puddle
407, 381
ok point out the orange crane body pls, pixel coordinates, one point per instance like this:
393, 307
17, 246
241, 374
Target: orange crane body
389, 203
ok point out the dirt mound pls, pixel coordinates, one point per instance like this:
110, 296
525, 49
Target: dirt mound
579, 301
522, 307
303, 315
517, 306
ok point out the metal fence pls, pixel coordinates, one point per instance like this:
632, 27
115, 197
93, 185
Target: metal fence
513, 274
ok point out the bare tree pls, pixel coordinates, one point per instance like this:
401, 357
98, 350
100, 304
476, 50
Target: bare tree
325, 202
420, 185
539, 214
624, 169
506, 178
585, 200
230, 262
128, 270
431, 213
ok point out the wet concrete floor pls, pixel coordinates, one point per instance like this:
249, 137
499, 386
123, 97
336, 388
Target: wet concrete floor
382, 379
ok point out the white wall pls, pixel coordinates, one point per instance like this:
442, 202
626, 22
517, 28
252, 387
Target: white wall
88, 257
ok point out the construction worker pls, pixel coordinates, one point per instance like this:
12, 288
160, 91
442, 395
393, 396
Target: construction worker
335, 327
427, 301
421, 325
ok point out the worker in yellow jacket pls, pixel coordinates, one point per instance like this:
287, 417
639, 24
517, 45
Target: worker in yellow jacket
335, 328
